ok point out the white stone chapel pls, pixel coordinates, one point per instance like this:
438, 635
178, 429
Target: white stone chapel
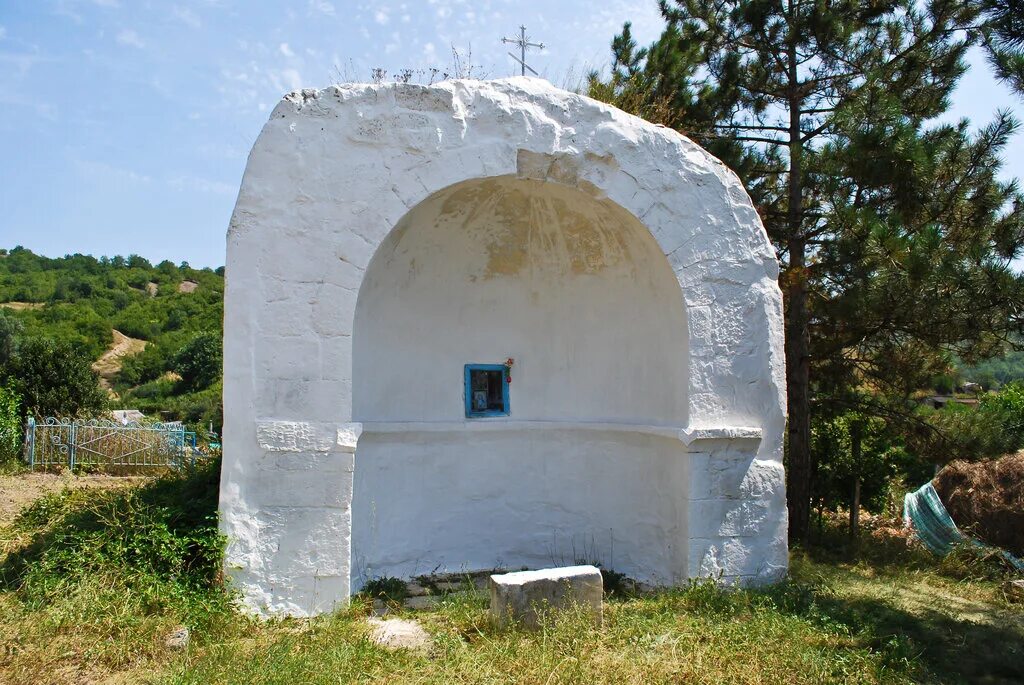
494, 324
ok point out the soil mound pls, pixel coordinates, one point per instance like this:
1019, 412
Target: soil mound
986, 499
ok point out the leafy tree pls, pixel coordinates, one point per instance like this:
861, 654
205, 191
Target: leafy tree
199, 361
10, 329
55, 379
992, 429
895, 239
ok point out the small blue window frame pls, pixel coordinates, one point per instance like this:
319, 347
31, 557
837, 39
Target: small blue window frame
470, 414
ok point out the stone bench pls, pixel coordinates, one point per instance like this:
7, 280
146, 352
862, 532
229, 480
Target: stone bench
525, 596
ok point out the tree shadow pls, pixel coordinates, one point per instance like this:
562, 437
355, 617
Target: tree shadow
166, 527
936, 627
952, 650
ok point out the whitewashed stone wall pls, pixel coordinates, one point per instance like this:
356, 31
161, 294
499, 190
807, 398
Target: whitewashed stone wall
333, 474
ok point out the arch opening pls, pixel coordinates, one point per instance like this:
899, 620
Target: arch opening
578, 293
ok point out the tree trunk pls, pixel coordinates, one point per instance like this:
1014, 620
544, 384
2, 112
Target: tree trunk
798, 468
855, 498
798, 472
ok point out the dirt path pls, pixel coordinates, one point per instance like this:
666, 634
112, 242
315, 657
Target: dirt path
110, 362
19, 491
21, 306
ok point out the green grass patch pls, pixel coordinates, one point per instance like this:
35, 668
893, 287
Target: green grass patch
92, 582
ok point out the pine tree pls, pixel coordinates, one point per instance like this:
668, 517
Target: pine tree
895, 239
1003, 38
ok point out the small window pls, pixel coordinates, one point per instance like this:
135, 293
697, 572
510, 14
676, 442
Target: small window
486, 390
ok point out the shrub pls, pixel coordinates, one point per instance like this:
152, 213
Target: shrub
10, 424
199, 361
55, 379
160, 539
387, 588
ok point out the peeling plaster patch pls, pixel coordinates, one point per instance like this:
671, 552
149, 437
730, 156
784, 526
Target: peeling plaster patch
297, 436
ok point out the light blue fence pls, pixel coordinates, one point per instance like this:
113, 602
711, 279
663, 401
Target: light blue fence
103, 444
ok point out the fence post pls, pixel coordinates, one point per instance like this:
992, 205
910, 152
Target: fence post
71, 451
30, 442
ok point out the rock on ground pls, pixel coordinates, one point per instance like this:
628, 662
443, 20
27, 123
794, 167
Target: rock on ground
398, 633
178, 639
526, 596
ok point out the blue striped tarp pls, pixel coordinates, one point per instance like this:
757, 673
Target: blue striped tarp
924, 512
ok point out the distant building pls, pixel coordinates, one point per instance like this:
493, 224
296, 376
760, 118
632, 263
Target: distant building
126, 416
940, 401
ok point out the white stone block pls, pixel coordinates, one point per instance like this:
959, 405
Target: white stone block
526, 597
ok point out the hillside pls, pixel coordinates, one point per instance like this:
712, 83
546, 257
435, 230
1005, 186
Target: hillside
132, 318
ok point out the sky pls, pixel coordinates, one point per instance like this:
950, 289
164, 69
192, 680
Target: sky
125, 124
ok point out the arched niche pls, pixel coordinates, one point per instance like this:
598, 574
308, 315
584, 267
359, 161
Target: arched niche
578, 293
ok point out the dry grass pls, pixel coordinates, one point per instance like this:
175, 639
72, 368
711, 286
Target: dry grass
21, 306
19, 490
874, 612
986, 499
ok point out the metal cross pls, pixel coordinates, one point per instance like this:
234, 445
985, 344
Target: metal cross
523, 42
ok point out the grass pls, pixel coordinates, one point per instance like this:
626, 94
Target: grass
91, 583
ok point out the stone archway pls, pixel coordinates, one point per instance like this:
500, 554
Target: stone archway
333, 172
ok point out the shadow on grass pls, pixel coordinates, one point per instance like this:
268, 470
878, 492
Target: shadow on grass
165, 529
952, 650
951, 646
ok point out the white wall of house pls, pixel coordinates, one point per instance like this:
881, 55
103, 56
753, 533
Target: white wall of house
384, 236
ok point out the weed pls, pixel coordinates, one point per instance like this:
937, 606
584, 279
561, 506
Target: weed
387, 588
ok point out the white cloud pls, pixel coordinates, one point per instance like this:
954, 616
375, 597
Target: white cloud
285, 50
197, 184
321, 6
285, 80
130, 38
107, 3
96, 169
381, 16
187, 16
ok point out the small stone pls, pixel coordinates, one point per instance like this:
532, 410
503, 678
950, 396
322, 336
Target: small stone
398, 633
421, 602
525, 596
1014, 590
416, 590
178, 639
382, 608
450, 586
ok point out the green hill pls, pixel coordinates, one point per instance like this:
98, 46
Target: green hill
167, 361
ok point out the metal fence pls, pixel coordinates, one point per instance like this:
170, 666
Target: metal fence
103, 444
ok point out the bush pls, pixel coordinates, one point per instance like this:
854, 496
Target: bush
199, 361
55, 379
162, 539
994, 428
10, 424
